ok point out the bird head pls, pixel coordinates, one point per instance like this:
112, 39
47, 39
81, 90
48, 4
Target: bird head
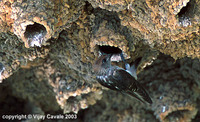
102, 63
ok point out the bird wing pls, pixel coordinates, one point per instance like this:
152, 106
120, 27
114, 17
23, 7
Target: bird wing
127, 83
105, 81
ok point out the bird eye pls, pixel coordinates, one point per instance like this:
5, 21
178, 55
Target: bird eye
104, 60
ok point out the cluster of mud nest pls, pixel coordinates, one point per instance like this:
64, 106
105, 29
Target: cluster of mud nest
47, 49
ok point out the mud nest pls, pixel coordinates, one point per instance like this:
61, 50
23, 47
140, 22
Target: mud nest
47, 49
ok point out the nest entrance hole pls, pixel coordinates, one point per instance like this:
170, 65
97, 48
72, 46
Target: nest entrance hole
184, 10
35, 34
31, 30
106, 49
186, 13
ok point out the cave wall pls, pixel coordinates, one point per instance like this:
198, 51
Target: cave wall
47, 49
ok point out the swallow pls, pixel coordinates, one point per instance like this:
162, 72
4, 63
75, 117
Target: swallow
119, 79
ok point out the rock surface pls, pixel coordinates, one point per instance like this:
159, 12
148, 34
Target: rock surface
47, 49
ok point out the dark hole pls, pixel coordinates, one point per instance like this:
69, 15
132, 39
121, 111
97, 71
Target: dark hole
184, 10
34, 29
188, 10
35, 33
186, 14
109, 50
176, 114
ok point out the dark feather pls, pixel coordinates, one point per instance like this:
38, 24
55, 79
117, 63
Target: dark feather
122, 81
